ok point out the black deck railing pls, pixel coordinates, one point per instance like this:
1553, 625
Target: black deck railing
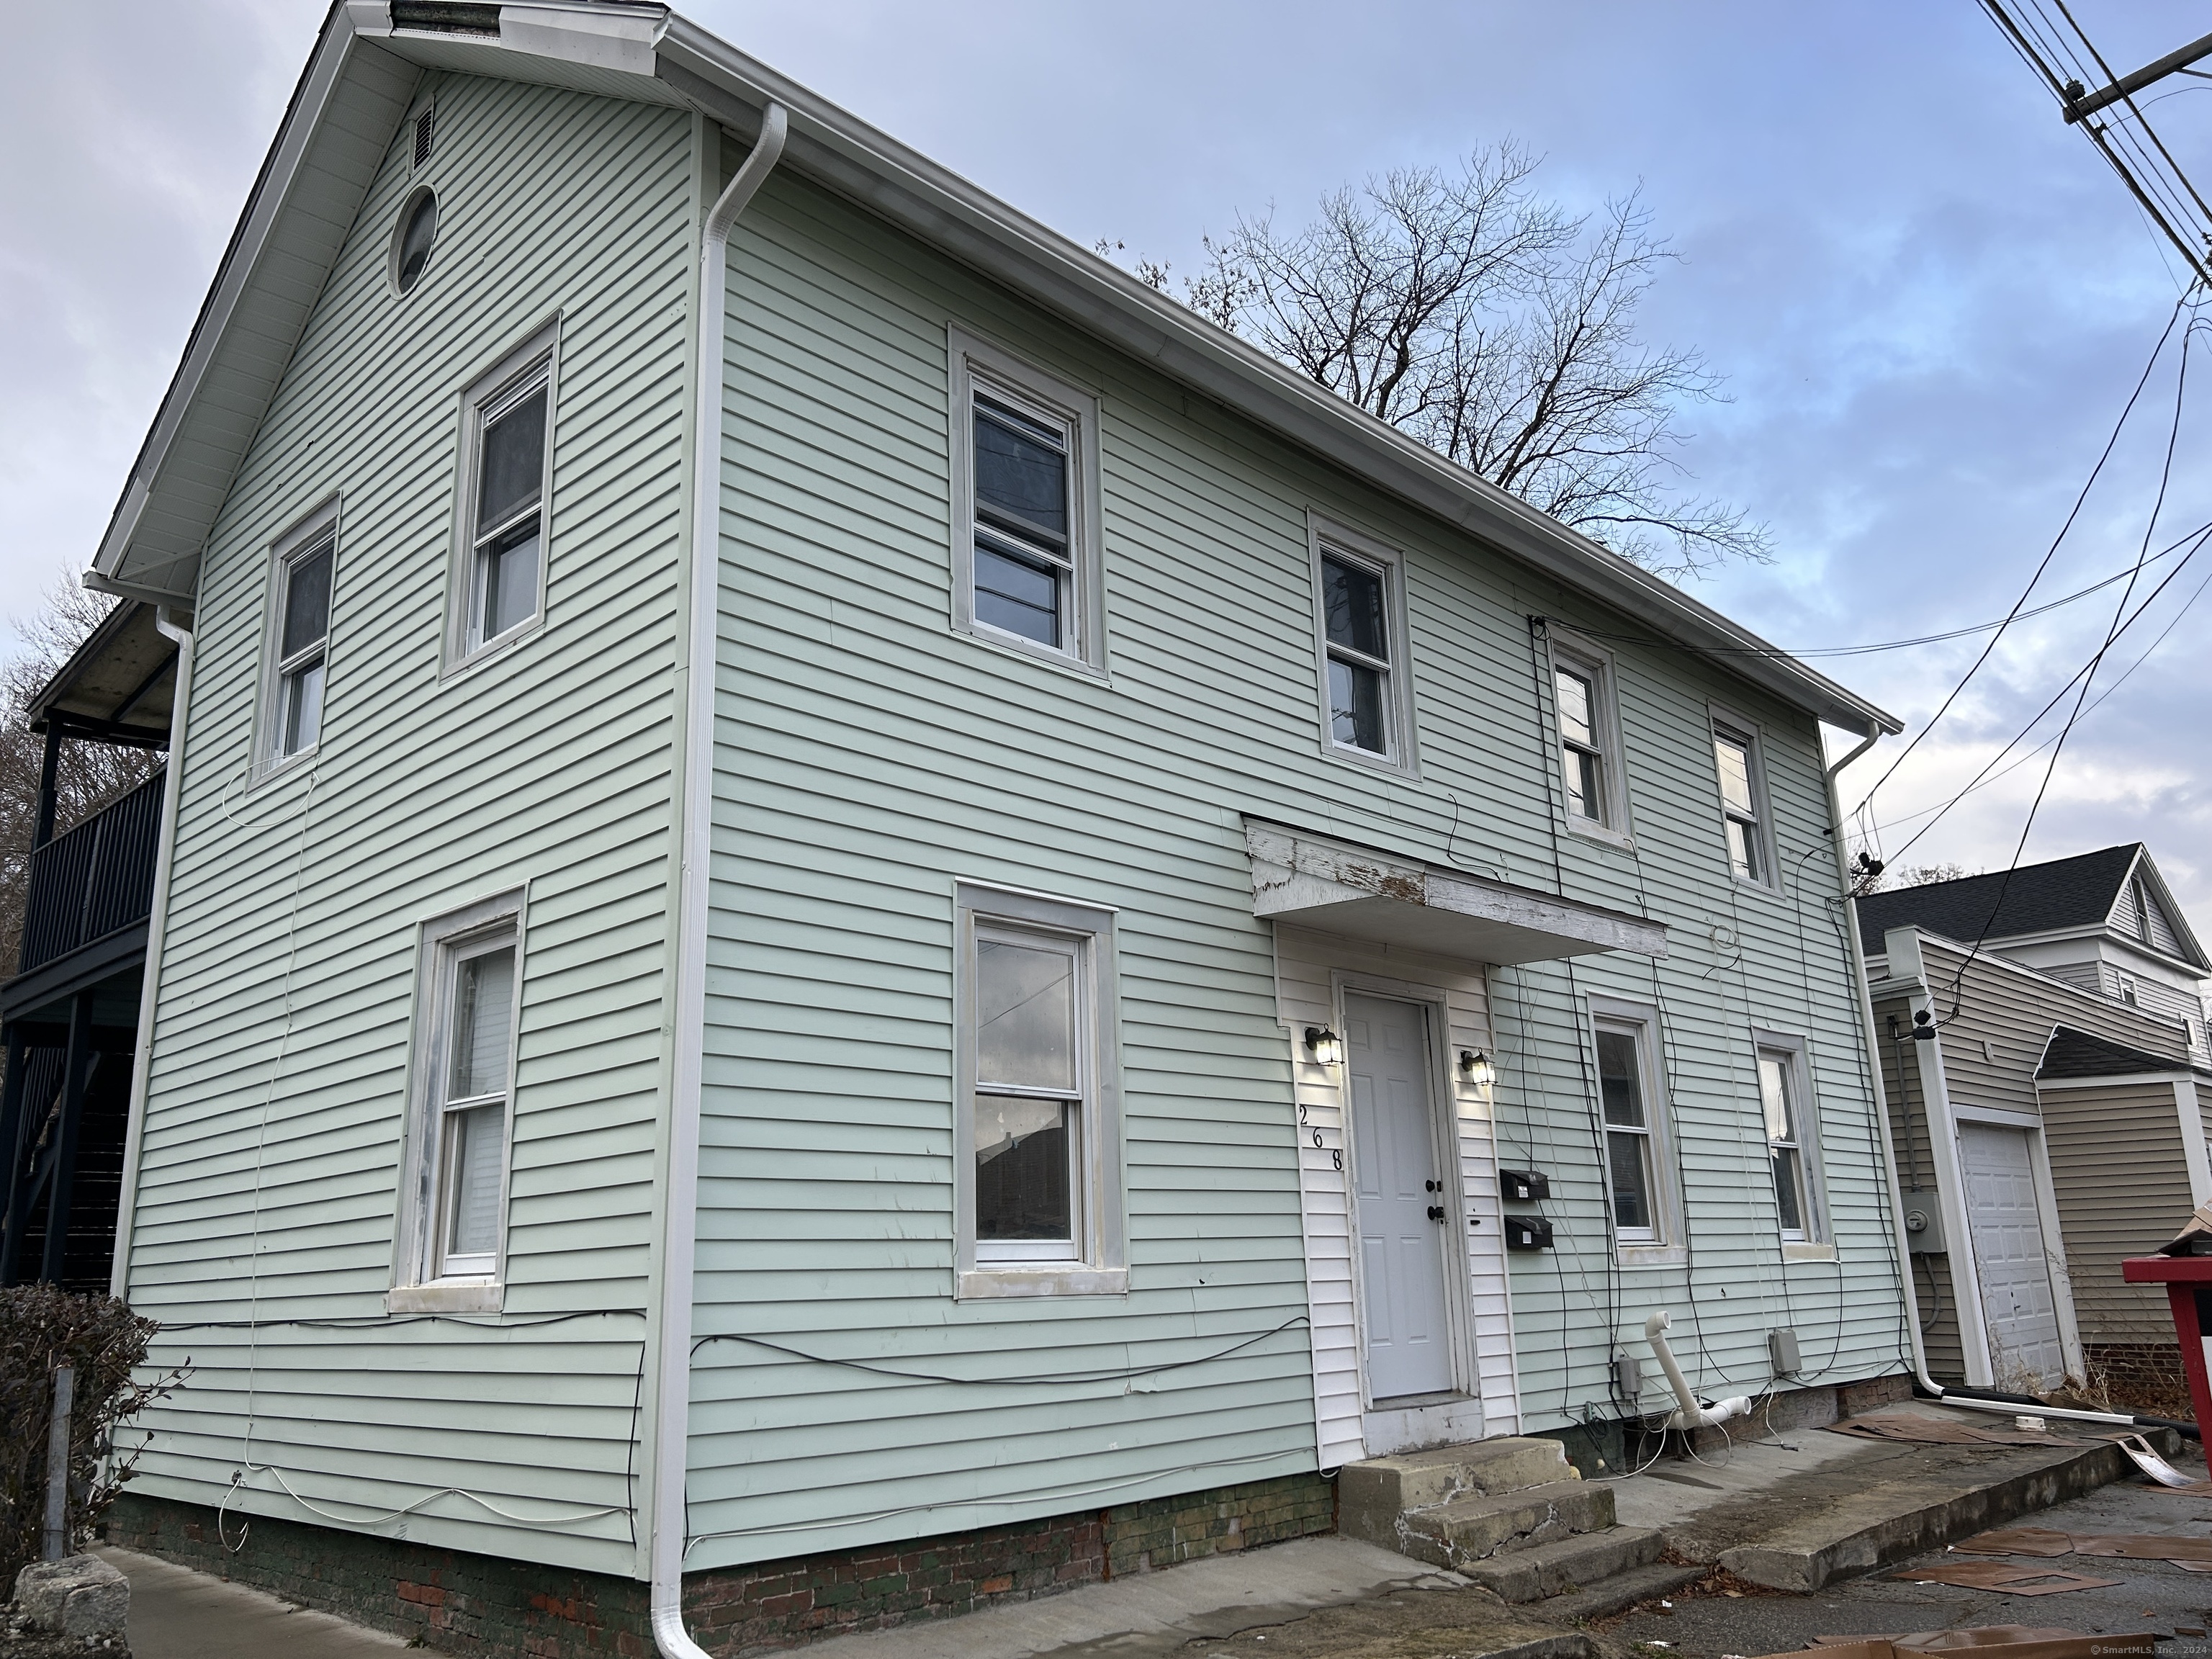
95, 880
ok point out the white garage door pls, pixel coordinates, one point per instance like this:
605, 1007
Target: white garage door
2017, 1306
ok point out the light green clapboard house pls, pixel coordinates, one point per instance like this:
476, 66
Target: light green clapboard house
941, 908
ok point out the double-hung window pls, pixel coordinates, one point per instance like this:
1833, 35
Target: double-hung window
1355, 625
500, 538
464, 1088
1643, 1195
1590, 779
1366, 680
299, 639
1632, 1166
1038, 1186
1581, 762
1025, 485
1743, 818
1778, 1098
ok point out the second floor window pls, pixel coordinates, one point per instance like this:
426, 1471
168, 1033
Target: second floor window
303, 645
1735, 757
1582, 757
1024, 546
1027, 570
1355, 608
507, 537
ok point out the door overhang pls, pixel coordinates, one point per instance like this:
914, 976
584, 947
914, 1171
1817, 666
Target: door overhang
1340, 887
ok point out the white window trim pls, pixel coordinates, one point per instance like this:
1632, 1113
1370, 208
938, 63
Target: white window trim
1667, 1246
484, 390
973, 361
268, 717
1100, 1263
1725, 722
1564, 648
1403, 758
1818, 1241
416, 1285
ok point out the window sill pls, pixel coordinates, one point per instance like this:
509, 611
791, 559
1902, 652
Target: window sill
1653, 1255
1590, 829
1372, 763
458, 664
445, 1298
271, 770
983, 1284
1809, 1252
1015, 645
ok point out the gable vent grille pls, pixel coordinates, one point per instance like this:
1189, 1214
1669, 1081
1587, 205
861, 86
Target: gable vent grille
426, 128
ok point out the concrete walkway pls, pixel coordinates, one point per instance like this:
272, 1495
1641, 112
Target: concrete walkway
178, 1614
1157, 1613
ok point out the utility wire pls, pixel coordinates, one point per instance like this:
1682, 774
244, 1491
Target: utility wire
2050, 553
2058, 697
2088, 676
1987, 777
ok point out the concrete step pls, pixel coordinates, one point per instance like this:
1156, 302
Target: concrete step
1472, 1529
1568, 1566
1619, 1593
1842, 1521
1372, 1495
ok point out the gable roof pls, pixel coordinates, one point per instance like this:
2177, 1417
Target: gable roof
2071, 1053
355, 90
2061, 895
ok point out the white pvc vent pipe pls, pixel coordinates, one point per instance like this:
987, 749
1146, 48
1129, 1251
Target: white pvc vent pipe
1689, 1414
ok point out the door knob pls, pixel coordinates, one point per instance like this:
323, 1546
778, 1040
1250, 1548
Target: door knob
1436, 1213
1433, 1186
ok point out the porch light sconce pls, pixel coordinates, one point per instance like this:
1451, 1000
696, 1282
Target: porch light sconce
1320, 1043
1474, 1067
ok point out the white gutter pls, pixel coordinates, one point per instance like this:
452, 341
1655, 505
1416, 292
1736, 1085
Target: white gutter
150, 983
672, 1403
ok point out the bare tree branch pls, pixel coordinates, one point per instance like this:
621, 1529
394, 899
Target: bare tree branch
1482, 320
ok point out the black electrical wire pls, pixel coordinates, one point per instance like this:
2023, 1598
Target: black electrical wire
2052, 552
2057, 698
2088, 675
1066, 1378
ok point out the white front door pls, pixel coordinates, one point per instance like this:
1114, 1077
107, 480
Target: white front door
1401, 1199
2018, 1308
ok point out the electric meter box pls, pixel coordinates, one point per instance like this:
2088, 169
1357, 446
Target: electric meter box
1923, 1224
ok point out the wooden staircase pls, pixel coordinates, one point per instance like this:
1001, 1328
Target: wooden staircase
1511, 1514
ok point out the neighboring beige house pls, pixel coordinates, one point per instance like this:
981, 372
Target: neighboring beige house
2043, 1093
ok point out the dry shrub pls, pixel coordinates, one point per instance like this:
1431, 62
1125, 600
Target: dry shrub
42, 1327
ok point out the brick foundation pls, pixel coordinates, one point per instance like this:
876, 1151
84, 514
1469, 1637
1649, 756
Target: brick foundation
461, 1602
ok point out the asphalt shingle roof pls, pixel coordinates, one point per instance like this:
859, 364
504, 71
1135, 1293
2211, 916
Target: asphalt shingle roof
2076, 892
2076, 1054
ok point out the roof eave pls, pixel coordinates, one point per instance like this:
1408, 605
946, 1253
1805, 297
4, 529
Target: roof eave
837, 149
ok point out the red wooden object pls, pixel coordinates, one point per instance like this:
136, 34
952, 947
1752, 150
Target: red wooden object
2188, 1281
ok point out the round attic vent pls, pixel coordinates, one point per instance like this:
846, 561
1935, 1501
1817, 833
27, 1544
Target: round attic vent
413, 238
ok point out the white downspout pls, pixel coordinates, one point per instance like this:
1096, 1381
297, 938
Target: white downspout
1864, 997
157, 925
672, 1404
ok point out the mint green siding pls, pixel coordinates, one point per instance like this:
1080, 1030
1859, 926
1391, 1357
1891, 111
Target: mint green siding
870, 756
274, 1127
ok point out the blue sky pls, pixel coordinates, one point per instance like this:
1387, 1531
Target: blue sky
1929, 297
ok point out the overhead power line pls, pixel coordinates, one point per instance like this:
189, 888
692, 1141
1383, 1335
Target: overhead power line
2064, 58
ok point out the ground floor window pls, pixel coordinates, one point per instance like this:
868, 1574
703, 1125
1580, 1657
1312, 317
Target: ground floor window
1037, 1175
